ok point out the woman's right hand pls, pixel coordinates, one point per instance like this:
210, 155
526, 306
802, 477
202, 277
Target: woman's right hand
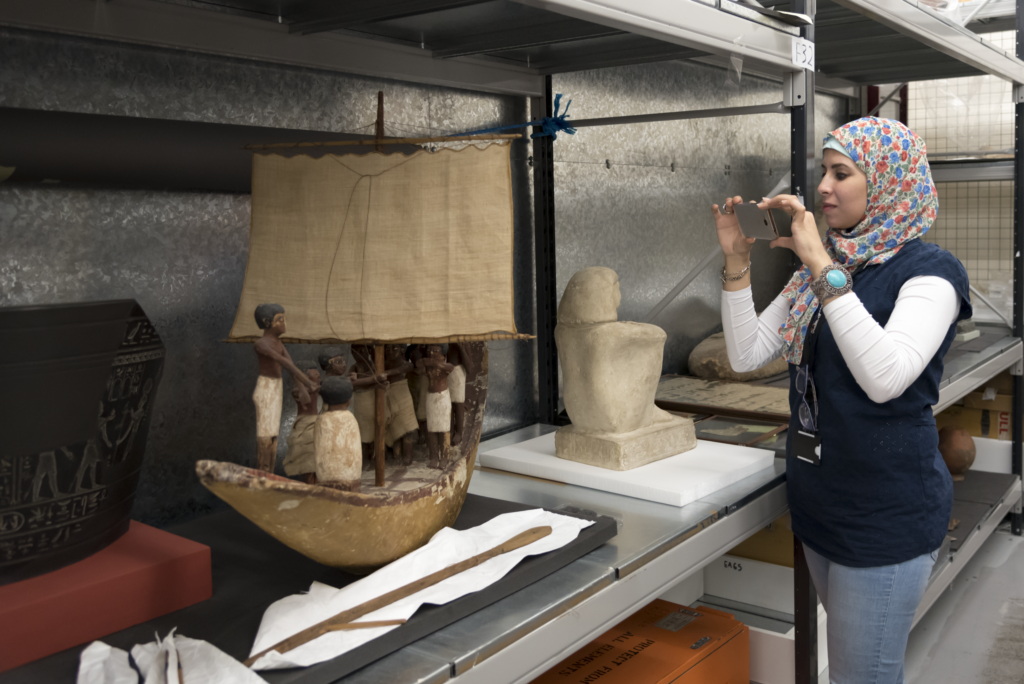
730, 237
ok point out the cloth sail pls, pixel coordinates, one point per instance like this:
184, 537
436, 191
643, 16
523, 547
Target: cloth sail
382, 247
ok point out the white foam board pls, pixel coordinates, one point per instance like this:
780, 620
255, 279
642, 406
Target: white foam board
677, 480
993, 456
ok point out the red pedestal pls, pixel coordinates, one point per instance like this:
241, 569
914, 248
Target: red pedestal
144, 574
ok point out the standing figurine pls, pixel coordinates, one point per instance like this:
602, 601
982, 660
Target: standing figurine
457, 390
439, 405
364, 404
268, 396
402, 424
338, 456
300, 462
418, 387
364, 401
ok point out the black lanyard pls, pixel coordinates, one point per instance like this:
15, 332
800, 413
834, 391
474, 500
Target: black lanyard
809, 394
811, 341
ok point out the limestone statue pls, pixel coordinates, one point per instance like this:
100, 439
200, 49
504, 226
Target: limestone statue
610, 372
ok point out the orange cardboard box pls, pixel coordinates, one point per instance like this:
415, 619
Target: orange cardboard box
977, 422
663, 643
1000, 402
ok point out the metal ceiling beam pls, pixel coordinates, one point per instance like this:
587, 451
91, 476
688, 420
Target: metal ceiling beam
926, 26
835, 64
354, 14
178, 27
607, 59
907, 73
689, 23
523, 37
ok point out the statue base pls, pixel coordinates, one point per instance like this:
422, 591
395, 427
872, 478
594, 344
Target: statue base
626, 450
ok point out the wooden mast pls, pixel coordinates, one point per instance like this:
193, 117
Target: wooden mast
378, 349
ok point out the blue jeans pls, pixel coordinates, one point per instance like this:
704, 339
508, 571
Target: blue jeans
869, 615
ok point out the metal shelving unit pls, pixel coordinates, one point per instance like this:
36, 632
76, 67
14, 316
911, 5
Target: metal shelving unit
909, 42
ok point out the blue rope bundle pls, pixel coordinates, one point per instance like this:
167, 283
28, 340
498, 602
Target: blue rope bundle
549, 125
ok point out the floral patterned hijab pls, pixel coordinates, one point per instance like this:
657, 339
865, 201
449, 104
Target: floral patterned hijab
901, 207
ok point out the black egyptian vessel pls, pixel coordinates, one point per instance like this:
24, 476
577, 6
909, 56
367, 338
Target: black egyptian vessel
79, 381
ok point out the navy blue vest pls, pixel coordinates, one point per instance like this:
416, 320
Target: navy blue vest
882, 494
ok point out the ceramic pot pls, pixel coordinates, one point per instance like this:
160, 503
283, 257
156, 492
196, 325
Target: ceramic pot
958, 451
75, 406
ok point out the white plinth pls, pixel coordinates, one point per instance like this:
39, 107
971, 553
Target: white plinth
677, 480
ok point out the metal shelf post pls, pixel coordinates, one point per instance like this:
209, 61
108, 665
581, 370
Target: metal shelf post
803, 141
544, 258
1018, 273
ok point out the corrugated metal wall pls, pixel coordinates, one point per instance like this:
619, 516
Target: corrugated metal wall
182, 255
652, 224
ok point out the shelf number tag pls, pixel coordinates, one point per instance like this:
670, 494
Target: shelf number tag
803, 54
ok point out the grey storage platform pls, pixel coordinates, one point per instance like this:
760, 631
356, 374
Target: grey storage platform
251, 570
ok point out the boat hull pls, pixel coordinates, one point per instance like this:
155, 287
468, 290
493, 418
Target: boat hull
360, 531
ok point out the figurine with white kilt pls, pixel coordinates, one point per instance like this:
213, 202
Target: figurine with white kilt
439, 405
402, 425
269, 394
338, 453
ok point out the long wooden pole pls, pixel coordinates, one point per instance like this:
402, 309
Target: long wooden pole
378, 423
379, 426
379, 128
391, 141
346, 616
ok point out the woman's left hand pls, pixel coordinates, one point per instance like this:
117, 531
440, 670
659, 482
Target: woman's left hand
806, 241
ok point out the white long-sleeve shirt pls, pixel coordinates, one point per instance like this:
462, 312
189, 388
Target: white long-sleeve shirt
883, 361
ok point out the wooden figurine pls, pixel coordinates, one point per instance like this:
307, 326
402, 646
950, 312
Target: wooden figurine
332, 362
418, 387
364, 406
402, 425
338, 453
269, 394
439, 405
300, 462
457, 390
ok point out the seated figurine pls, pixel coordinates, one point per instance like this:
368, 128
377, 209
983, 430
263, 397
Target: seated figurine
300, 461
610, 372
338, 452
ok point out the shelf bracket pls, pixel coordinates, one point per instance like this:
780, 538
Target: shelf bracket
1018, 93
794, 88
1017, 368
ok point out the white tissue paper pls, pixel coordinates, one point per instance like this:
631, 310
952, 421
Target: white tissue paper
200, 661
292, 614
103, 664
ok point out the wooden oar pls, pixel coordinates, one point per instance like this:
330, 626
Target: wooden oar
365, 626
347, 616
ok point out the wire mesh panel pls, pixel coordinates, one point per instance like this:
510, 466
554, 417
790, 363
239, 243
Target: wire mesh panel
975, 223
972, 114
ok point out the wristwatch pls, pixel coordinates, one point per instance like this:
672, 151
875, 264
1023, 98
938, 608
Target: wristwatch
833, 282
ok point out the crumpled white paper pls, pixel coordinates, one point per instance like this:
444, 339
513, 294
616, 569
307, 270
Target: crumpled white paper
200, 661
103, 664
294, 613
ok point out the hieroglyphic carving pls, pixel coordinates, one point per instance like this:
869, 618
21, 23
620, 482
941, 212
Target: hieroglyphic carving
48, 500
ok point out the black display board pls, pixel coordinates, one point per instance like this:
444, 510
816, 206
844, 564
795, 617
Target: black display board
251, 570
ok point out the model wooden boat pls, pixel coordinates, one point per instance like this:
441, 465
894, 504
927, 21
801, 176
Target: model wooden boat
361, 531
376, 248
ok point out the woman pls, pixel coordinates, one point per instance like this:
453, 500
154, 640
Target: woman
864, 324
